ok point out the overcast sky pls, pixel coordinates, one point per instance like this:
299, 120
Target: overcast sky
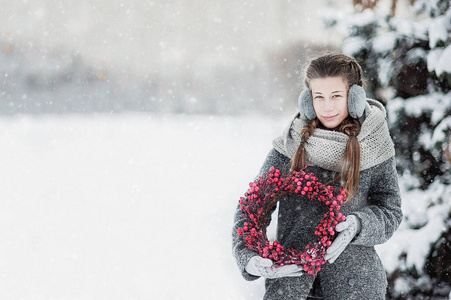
138, 36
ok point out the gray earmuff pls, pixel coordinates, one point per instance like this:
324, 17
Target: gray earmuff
305, 103
356, 103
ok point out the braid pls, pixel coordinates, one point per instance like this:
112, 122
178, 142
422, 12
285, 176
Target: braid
350, 127
350, 163
308, 129
298, 161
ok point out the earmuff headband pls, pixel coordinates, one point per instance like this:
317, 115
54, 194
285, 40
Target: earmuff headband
356, 103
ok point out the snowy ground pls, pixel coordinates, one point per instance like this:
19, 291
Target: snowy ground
126, 206
137, 206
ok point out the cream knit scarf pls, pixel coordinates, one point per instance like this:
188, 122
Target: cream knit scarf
325, 147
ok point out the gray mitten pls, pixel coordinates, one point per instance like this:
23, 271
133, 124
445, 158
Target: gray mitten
259, 266
347, 231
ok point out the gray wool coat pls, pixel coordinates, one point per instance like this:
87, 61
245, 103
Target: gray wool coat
358, 272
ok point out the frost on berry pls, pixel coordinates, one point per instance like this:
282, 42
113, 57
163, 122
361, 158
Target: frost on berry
273, 185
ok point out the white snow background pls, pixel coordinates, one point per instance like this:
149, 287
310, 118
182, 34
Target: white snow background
140, 206
129, 206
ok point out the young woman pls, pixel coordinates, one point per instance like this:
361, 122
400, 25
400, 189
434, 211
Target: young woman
344, 140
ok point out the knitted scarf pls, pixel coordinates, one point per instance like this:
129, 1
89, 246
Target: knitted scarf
325, 147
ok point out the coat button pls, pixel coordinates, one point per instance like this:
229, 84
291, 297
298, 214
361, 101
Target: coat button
351, 282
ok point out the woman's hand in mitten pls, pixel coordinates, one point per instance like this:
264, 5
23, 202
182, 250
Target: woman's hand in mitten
259, 266
347, 231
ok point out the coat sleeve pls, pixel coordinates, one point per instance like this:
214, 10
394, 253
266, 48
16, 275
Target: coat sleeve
382, 216
241, 253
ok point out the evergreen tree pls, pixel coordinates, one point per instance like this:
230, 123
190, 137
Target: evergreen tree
408, 66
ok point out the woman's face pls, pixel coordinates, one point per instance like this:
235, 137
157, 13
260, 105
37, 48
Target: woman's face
330, 100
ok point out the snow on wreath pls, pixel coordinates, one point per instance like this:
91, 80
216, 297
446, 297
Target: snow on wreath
264, 193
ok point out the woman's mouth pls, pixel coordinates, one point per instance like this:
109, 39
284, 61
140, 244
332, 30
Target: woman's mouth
329, 118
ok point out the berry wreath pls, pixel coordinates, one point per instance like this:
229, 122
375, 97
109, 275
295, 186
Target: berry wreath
265, 192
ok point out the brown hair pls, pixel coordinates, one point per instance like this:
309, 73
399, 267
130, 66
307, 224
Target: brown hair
333, 65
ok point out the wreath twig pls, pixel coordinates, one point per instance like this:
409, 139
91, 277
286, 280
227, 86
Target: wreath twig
264, 194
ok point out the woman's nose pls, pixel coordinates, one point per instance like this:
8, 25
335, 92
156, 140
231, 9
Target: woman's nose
328, 105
